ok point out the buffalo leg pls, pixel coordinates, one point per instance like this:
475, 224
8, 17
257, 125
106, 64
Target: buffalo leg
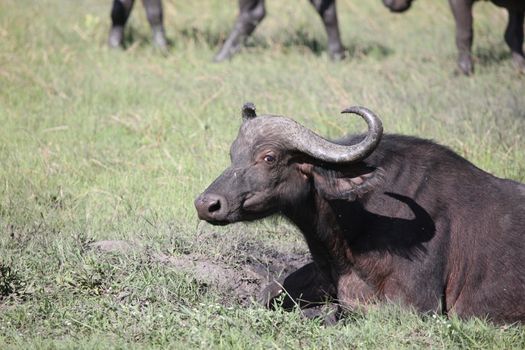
304, 288
328, 13
154, 14
119, 16
514, 38
251, 13
462, 10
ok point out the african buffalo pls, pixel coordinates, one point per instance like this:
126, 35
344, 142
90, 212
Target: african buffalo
385, 218
119, 16
252, 12
462, 10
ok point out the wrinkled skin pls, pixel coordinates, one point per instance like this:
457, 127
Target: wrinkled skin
462, 11
412, 223
252, 12
120, 13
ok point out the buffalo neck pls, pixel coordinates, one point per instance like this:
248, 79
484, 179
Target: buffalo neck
329, 229
345, 237
364, 236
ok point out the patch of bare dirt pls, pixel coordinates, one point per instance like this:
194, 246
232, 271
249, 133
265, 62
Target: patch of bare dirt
240, 280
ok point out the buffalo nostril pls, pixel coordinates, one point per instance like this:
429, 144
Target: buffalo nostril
214, 206
211, 207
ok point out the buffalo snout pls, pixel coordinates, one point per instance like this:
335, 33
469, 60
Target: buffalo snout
211, 207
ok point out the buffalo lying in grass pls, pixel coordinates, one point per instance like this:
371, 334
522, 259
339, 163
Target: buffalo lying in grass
462, 10
120, 14
391, 218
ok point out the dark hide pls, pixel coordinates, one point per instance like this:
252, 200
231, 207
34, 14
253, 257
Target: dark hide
412, 223
119, 16
462, 11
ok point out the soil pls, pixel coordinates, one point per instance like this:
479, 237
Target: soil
240, 281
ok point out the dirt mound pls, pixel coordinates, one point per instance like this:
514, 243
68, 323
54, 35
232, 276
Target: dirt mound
241, 281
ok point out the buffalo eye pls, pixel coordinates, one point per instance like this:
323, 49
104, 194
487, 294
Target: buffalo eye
269, 158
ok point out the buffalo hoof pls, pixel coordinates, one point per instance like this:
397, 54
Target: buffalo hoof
116, 37
231, 46
226, 52
519, 62
337, 56
329, 314
271, 294
159, 39
465, 65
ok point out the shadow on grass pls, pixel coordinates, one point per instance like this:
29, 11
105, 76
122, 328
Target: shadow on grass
368, 49
135, 37
491, 55
298, 39
211, 38
303, 39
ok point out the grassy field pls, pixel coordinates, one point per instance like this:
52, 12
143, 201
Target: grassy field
98, 145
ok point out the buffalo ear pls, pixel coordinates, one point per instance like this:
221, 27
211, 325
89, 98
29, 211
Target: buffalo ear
347, 185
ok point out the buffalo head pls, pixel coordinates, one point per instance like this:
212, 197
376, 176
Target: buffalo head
397, 5
276, 164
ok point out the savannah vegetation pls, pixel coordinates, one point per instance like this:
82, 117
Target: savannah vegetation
98, 144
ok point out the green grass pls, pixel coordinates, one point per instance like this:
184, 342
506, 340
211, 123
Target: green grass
98, 144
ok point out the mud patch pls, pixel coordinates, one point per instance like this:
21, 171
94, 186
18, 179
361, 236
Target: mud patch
239, 281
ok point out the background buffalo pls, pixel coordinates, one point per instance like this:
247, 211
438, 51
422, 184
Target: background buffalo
462, 11
120, 12
252, 12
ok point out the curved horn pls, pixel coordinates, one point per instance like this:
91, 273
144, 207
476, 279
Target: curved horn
314, 145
